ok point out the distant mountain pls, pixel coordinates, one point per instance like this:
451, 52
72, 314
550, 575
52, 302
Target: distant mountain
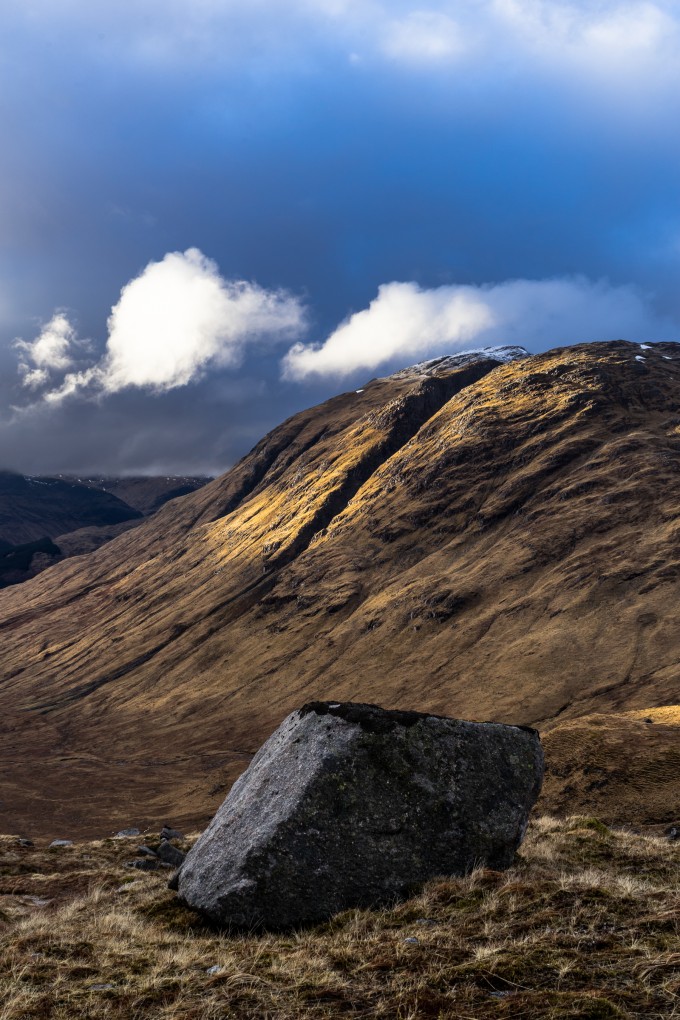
147, 493
45, 519
32, 508
477, 538
86, 540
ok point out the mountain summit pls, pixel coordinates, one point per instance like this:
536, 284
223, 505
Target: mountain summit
494, 540
450, 362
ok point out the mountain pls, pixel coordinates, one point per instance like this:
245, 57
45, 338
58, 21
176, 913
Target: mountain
477, 538
34, 508
147, 493
91, 511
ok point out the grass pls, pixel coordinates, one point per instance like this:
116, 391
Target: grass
586, 924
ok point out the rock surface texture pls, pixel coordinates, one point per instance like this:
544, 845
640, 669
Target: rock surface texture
350, 805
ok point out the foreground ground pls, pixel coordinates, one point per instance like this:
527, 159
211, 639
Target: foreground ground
586, 924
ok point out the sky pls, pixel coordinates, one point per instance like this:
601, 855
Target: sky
214, 213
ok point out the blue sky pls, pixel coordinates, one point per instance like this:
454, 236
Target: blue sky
281, 199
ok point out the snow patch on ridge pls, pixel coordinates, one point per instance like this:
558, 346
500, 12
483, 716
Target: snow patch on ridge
503, 355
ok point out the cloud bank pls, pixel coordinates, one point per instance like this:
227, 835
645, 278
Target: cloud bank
175, 321
610, 37
615, 36
406, 323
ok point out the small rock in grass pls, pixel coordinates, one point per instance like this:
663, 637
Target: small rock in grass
170, 854
214, 970
168, 833
146, 851
127, 832
25, 842
412, 941
60, 842
145, 864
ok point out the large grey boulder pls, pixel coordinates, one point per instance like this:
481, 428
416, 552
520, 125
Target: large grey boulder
350, 805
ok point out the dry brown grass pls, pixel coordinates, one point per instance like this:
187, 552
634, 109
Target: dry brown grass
585, 924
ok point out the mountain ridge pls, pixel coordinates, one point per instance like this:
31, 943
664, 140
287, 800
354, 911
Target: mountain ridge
490, 542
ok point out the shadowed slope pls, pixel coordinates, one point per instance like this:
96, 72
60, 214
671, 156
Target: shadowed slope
35, 508
491, 542
147, 493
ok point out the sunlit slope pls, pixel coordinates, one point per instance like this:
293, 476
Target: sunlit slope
493, 542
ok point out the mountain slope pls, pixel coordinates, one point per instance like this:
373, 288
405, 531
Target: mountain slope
617, 767
486, 541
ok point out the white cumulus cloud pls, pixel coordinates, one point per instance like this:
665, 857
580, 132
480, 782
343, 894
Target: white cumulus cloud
53, 351
179, 316
175, 321
406, 323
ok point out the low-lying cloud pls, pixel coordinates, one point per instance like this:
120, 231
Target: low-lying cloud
173, 323
405, 323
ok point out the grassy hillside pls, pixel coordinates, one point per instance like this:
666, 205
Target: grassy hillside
585, 924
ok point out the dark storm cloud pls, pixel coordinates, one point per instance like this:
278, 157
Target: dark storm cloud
326, 149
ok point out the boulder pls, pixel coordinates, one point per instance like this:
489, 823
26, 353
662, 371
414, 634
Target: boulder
350, 805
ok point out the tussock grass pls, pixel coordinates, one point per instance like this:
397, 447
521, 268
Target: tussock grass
586, 924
